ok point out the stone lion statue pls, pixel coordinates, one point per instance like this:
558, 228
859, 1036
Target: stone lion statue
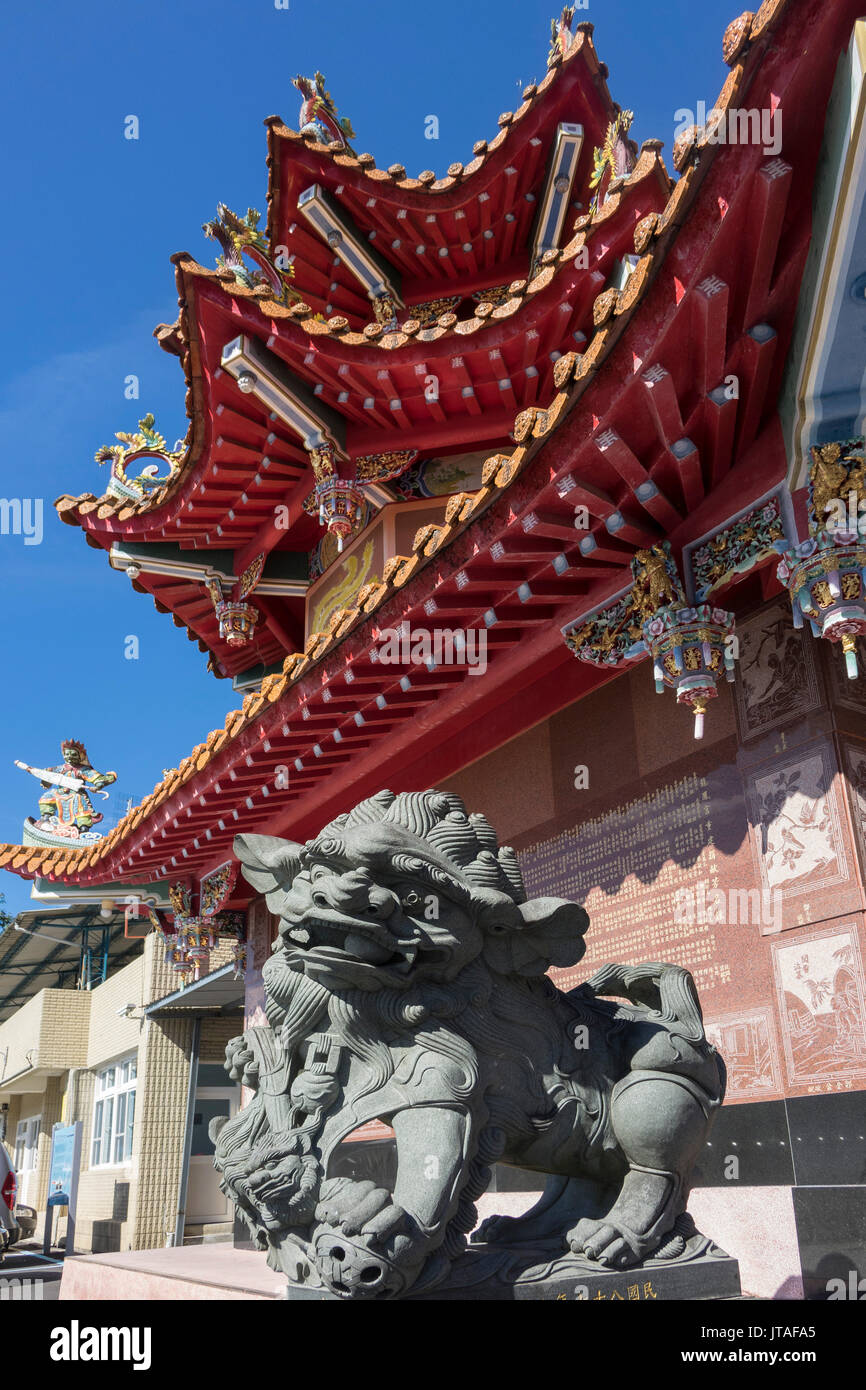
408, 984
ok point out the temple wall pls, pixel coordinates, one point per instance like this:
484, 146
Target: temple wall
216, 1033
164, 1062
110, 1034
742, 858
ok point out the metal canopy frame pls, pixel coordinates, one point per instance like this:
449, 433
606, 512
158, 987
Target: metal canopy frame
220, 992
85, 955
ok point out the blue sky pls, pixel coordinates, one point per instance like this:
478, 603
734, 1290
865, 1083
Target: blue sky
90, 222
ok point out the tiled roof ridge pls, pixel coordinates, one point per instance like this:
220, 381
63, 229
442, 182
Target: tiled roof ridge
532, 427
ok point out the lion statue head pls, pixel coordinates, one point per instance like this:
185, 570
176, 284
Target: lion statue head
404, 890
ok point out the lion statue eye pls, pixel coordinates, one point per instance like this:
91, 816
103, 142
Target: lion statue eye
411, 899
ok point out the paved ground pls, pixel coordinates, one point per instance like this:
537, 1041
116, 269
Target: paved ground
198, 1272
27, 1275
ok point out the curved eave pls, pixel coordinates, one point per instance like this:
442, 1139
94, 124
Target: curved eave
580, 73
647, 184
617, 224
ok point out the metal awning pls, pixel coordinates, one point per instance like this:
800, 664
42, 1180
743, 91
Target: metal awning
60, 949
217, 993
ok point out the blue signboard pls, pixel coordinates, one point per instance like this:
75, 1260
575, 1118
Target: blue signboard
65, 1162
63, 1180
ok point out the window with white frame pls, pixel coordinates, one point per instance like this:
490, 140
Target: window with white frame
27, 1144
114, 1114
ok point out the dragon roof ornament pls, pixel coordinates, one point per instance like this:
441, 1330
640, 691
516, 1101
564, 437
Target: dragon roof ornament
147, 447
613, 159
241, 237
561, 36
318, 116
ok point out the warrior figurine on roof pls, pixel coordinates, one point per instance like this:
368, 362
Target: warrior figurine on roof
65, 809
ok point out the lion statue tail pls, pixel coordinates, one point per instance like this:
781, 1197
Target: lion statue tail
668, 990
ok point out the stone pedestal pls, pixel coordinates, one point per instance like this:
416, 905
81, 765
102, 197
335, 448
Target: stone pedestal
574, 1280
489, 1274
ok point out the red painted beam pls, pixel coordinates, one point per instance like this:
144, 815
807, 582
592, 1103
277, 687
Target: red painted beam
664, 405
708, 341
275, 529
757, 355
720, 417
771, 189
688, 464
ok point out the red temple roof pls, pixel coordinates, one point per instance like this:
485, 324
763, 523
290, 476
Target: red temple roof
416, 218
636, 431
490, 363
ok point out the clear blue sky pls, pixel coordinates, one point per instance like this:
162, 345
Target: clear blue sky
90, 222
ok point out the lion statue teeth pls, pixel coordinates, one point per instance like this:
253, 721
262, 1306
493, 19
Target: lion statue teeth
408, 984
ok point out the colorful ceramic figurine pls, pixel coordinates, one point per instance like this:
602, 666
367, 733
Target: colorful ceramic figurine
319, 116
65, 809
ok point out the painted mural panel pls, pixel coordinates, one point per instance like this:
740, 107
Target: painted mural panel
747, 1041
822, 1007
798, 838
776, 676
340, 584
